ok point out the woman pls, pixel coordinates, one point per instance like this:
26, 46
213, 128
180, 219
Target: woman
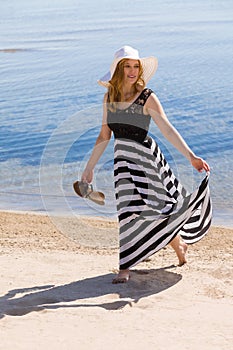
153, 207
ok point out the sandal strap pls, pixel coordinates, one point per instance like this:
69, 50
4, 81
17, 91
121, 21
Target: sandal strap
88, 191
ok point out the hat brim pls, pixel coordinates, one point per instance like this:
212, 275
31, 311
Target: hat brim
149, 65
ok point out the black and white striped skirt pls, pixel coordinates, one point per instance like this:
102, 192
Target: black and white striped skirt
153, 206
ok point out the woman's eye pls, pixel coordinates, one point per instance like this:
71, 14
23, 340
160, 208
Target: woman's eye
128, 66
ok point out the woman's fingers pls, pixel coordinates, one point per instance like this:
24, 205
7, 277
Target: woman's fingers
87, 176
200, 165
206, 166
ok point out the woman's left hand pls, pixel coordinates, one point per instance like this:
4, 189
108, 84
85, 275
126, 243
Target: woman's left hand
200, 164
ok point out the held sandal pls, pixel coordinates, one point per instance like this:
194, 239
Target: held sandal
85, 190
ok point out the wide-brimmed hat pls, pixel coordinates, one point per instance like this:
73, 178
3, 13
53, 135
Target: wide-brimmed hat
149, 64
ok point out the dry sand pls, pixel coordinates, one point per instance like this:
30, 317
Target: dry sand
56, 290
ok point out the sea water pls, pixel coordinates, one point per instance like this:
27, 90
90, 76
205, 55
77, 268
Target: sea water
51, 55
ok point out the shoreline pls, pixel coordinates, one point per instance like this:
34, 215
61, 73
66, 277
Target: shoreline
77, 232
215, 223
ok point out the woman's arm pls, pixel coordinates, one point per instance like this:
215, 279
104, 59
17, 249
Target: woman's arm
100, 146
155, 109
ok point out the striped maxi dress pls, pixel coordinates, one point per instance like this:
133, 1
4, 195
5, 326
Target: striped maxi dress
152, 205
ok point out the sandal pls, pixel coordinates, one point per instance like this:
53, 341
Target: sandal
85, 190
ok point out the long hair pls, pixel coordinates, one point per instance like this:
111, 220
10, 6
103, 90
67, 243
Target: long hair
115, 91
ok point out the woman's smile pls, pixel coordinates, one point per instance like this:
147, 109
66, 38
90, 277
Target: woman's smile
131, 69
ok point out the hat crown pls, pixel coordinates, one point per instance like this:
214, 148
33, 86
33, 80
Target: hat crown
126, 51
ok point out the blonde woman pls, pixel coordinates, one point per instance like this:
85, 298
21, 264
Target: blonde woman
153, 207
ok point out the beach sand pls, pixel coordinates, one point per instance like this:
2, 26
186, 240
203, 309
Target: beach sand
56, 290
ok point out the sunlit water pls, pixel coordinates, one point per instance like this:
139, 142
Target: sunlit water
52, 54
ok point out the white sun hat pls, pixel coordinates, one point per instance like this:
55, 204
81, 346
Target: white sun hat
149, 64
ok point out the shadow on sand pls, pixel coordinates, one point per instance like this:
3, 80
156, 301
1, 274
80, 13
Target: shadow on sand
143, 283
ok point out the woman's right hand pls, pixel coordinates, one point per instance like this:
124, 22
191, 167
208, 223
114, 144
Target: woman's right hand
87, 176
200, 164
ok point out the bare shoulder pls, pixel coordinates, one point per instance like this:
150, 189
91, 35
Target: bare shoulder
153, 98
153, 102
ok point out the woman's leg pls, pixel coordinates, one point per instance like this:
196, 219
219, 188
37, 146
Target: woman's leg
180, 248
122, 277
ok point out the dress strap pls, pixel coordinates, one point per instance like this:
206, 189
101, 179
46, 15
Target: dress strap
142, 98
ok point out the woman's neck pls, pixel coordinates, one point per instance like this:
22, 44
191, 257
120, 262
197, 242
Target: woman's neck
128, 93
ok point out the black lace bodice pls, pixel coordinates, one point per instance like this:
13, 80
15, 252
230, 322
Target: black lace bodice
131, 123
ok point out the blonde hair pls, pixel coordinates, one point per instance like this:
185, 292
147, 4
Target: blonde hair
115, 91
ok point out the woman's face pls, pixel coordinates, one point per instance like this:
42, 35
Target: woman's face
131, 71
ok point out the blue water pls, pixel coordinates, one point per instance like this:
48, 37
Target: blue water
52, 54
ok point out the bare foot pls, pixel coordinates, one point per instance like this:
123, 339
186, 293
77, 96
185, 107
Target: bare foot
181, 254
122, 277
180, 248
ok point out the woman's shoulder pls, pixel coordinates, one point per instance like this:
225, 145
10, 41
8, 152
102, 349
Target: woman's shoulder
145, 93
153, 102
151, 94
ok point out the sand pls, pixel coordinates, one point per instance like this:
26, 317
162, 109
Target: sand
56, 290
